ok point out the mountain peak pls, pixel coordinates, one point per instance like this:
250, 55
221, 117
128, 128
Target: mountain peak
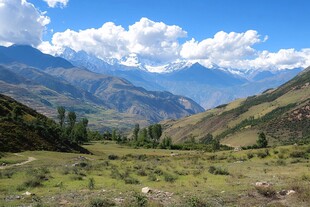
28, 55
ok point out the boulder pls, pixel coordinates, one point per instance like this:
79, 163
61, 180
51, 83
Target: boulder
146, 190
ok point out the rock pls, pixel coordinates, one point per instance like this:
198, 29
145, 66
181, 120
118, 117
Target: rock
27, 193
263, 184
286, 192
283, 192
290, 192
146, 190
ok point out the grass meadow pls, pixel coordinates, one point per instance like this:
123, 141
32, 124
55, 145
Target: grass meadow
114, 176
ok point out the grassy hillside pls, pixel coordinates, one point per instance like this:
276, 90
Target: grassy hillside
282, 114
22, 128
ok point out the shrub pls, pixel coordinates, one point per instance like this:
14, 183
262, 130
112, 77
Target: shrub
218, 171
280, 162
141, 172
266, 191
169, 178
263, 153
152, 177
298, 154
250, 155
98, 202
131, 180
140, 200
8, 173
195, 202
91, 183
33, 182
113, 157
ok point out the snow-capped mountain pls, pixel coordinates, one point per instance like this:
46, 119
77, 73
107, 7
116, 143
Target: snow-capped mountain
209, 86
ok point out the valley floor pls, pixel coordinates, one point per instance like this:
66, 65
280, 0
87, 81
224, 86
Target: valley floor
115, 175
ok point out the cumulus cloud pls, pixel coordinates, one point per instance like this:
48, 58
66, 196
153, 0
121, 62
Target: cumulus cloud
54, 3
154, 41
21, 23
223, 46
236, 50
283, 59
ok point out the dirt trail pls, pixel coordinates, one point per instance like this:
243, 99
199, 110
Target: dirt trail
30, 159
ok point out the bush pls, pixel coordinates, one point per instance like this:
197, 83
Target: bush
266, 191
250, 155
113, 157
33, 182
298, 154
263, 153
218, 171
195, 202
91, 183
98, 202
169, 178
152, 177
140, 200
281, 162
131, 180
8, 173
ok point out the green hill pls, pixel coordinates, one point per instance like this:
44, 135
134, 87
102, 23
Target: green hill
22, 128
283, 114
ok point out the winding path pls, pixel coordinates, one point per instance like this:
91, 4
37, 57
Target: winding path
30, 159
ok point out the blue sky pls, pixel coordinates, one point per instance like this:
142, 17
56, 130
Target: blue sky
286, 22
229, 33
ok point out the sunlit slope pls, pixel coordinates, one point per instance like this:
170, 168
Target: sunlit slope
283, 114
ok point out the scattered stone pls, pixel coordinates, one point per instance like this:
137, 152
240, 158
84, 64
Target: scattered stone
119, 200
27, 193
146, 190
63, 202
263, 184
286, 192
290, 192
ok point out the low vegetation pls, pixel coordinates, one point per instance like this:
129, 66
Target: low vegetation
115, 174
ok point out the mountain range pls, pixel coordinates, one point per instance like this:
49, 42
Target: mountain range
44, 82
283, 114
209, 87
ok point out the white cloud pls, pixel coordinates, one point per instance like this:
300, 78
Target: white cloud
223, 46
54, 3
154, 41
21, 23
236, 50
283, 59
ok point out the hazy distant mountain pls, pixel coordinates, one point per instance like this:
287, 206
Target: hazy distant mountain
41, 81
282, 114
207, 86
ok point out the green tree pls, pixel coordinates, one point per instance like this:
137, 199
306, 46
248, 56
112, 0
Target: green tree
166, 143
207, 139
114, 135
142, 139
16, 113
80, 131
156, 132
71, 119
215, 144
136, 132
262, 141
61, 115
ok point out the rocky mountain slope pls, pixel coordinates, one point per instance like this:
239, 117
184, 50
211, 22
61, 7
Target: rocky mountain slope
209, 87
283, 114
45, 82
22, 128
